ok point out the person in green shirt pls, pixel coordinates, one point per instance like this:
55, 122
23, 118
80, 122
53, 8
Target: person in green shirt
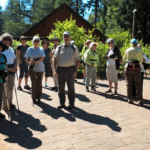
133, 57
84, 50
92, 62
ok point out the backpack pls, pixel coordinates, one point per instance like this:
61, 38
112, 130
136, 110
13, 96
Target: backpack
146, 66
71, 47
3, 74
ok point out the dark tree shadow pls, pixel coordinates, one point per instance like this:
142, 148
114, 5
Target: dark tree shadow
19, 133
80, 114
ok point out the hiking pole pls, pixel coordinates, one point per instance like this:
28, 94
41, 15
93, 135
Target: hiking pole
16, 96
8, 111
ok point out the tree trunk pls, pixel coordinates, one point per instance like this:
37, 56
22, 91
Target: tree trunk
104, 18
96, 6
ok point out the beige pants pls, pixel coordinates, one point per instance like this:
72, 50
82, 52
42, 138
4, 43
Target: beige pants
54, 77
9, 84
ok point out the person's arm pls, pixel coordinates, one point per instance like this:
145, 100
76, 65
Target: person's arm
38, 61
146, 59
18, 56
55, 67
50, 55
87, 61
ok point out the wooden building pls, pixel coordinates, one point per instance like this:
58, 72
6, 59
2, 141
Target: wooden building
63, 12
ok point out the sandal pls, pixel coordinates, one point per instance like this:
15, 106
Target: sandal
115, 92
109, 91
19, 88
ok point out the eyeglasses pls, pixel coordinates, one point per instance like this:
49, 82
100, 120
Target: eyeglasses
23, 39
94, 45
45, 43
108, 43
37, 41
6, 39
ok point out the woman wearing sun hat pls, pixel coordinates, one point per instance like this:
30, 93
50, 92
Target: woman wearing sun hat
92, 62
34, 57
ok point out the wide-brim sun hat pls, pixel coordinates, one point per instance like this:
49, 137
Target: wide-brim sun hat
93, 44
35, 38
4, 46
88, 41
55, 39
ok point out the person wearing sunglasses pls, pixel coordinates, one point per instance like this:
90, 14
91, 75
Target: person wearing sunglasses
113, 64
56, 41
47, 60
92, 62
23, 66
34, 57
7, 39
3, 62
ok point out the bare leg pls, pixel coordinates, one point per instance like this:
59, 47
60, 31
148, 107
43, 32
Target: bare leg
110, 85
116, 86
20, 80
46, 79
26, 81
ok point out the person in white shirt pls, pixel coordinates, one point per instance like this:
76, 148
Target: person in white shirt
7, 39
146, 61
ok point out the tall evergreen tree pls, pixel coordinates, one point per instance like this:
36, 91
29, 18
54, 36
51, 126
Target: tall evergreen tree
1, 20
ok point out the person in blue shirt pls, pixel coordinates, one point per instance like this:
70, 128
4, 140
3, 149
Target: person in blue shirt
35, 56
3, 62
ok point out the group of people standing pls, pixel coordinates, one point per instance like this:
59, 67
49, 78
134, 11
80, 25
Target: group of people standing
65, 59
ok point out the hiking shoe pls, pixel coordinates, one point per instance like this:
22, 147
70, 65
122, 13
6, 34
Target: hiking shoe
19, 88
93, 89
140, 103
130, 101
70, 106
56, 90
83, 79
87, 89
53, 88
109, 91
61, 106
27, 87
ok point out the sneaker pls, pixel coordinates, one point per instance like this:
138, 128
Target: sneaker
140, 103
45, 85
70, 106
19, 88
87, 89
61, 106
93, 89
27, 87
83, 79
130, 101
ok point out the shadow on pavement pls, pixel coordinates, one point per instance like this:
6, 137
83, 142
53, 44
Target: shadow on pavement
19, 131
43, 96
80, 114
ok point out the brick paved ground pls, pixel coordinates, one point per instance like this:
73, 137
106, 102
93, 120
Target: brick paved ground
99, 122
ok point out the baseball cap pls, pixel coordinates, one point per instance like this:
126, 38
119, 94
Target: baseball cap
66, 32
133, 41
72, 42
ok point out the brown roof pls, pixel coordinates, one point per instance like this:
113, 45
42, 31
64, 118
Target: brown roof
44, 27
